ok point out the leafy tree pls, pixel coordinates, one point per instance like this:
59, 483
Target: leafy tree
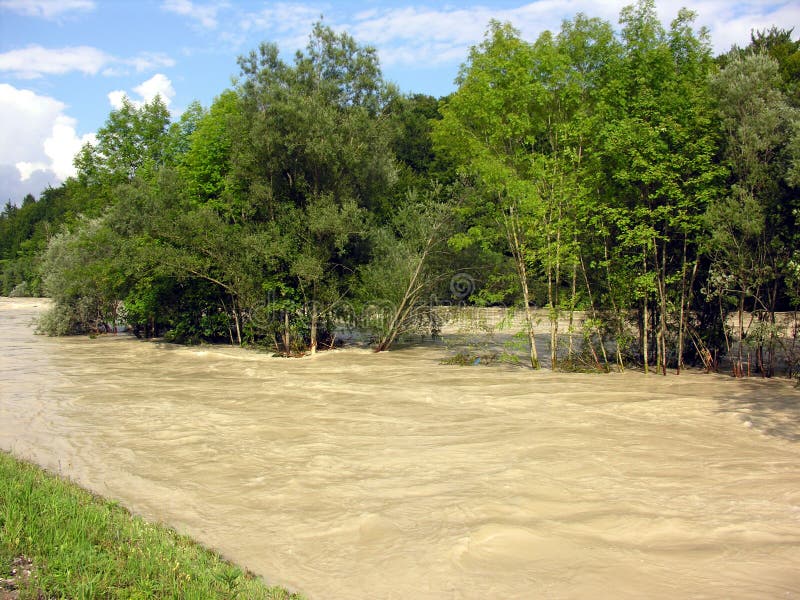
753, 229
133, 141
657, 150
85, 279
396, 285
208, 160
485, 128
24, 233
317, 152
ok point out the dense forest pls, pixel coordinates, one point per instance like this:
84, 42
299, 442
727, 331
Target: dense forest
627, 174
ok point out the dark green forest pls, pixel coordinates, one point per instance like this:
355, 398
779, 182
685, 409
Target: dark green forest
625, 172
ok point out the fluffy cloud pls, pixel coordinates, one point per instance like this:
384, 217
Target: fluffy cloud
37, 139
158, 85
49, 9
35, 61
732, 24
205, 15
146, 61
418, 35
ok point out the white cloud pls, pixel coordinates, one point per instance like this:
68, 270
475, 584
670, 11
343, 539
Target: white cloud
36, 137
435, 34
418, 35
63, 144
48, 9
35, 61
283, 17
285, 23
158, 85
731, 24
116, 97
205, 14
147, 61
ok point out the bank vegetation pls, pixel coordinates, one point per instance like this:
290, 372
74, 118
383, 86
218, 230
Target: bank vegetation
59, 541
626, 173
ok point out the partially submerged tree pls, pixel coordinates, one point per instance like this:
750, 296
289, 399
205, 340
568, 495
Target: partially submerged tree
397, 285
753, 228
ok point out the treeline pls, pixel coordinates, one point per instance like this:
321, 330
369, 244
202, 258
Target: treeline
632, 176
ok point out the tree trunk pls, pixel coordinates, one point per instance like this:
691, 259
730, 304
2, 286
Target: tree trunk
519, 258
410, 296
662, 288
572, 302
313, 334
740, 366
553, 288
314, 319
645, 323
287, 340
595, 320
681, 316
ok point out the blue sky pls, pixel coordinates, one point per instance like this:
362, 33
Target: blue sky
65, 64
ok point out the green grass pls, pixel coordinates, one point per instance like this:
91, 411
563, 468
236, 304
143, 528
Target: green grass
83, 546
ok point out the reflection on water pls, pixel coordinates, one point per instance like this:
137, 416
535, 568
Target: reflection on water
356, 475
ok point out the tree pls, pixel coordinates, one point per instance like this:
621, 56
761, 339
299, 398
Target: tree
656, 155
316, 154
210, 158
404, 272
84, 276
132, 141
518, 125
753, 228
486, 129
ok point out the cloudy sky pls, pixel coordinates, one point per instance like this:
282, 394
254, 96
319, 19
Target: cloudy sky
65, 64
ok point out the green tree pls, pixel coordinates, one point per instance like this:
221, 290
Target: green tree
84, 276
656, 149
753, 228
317, 151
397, 284
518, 125
133, 140
486, 129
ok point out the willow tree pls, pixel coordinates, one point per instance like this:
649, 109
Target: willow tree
315, 155
396, 286
753, 228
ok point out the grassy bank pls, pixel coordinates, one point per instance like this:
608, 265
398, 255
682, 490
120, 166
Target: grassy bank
59, 541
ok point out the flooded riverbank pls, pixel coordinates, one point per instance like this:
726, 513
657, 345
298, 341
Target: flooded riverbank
356, 475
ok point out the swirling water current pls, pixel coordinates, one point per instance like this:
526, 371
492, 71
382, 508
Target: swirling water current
361, 475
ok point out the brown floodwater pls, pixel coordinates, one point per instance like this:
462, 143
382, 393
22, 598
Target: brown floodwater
356, 475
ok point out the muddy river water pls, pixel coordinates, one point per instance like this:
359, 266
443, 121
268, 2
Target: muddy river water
356, 475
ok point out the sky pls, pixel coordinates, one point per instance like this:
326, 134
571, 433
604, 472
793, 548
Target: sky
65, 64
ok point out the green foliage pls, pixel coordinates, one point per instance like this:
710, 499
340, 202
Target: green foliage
395, 287
132, 141
625, 174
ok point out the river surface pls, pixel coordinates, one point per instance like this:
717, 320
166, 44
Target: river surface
356, 475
